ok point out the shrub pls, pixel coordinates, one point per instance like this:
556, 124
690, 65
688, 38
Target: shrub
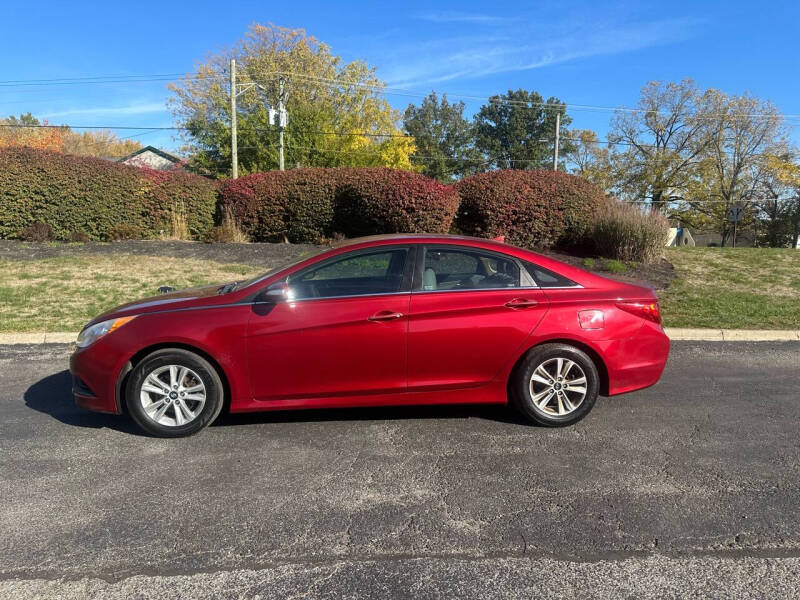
530, 208
77, 237
37, 232
124, 231
306, 205
228, 231
177, 202
382, 200
295, 204
624, 232
178, 224
90, 195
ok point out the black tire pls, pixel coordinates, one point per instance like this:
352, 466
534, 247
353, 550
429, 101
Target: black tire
520, 385
214, 392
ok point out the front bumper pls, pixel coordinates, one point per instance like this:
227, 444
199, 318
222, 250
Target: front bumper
95, 372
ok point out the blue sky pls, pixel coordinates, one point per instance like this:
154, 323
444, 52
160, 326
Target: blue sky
585, 53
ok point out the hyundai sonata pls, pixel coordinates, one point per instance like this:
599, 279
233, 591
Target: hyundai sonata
386, 320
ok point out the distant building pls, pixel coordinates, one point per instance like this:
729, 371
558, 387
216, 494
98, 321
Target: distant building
153, 158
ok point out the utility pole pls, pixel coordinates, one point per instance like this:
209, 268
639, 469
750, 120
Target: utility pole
281, 122
555, 147
234, 149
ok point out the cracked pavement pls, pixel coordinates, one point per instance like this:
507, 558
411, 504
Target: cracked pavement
691, 487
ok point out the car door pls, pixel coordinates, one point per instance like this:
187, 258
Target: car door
471, 309
342, 330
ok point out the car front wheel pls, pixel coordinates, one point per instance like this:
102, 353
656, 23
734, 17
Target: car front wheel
555, 385
174, 393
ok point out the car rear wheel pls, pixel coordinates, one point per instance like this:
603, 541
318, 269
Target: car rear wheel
174, 393
555, 385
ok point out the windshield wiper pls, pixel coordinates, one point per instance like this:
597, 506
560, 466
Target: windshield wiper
228, 287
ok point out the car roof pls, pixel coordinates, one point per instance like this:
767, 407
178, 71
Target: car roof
422, 238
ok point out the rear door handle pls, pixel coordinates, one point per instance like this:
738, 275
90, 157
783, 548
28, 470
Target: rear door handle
521, 303
386, 315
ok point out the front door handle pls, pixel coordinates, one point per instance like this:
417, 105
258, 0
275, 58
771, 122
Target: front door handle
386, 315
521, 303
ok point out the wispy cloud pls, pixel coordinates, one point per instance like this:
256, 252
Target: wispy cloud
460, 17
133, 109
522, 49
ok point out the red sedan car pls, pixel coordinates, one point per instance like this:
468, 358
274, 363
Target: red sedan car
386, 320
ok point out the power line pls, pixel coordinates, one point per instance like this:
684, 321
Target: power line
380, 88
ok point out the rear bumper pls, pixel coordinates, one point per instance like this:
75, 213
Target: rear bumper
636, 362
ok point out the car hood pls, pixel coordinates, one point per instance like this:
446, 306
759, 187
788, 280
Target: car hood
178, 299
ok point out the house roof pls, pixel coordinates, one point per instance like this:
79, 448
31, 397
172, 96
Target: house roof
154, 150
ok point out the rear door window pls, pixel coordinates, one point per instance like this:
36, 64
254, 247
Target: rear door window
456, 268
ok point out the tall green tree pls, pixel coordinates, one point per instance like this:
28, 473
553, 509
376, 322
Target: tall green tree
443, 137
337, 112
516, 130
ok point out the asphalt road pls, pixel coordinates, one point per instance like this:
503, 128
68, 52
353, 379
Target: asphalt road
688, 488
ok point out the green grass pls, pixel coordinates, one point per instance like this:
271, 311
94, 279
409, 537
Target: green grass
62, 294
733, 288
615, 266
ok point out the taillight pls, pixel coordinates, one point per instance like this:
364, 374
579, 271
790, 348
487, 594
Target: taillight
646, 310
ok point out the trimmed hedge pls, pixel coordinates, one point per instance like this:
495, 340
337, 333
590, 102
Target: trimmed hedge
533, 209
380, 200
297, 204
79, 195
305, 205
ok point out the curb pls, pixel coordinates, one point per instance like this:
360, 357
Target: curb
675, 334
733, 335
50, 337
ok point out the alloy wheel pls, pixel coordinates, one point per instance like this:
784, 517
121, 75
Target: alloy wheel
173, 395
558, 386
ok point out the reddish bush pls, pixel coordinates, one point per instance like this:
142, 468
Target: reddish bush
297, 204
308, 204
530, 208
90, 195
37, 232
380, 200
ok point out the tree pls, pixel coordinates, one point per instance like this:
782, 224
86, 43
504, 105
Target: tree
733, 169
27, 130
589, 159
780, 207
517, 130
443, 137
100, 144
659, 145
337, 114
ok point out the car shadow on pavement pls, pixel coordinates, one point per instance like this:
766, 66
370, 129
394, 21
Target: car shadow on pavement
53, 396
490, 412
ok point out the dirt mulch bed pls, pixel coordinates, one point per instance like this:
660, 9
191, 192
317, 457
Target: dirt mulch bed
658, 274
266, 255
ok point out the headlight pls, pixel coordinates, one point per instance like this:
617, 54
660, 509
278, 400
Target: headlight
91, 334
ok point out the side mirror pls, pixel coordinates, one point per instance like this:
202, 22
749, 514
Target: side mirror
277, 292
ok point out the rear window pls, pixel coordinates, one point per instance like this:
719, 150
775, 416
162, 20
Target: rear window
545, 278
